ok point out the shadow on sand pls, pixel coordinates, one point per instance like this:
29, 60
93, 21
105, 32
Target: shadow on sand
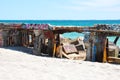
26, 50
20, 49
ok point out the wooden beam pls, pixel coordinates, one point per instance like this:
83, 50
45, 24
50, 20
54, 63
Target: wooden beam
113, 60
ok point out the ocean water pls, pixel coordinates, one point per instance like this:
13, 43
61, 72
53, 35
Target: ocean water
65, 22
72, 35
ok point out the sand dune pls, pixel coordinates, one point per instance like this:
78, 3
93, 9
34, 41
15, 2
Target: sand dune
19, 65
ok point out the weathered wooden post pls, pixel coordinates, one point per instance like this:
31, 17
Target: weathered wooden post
33, 38
38, 42
56, 44
17, 37
54, 47
101, 44
1, 38
105, 52
50, 47
94, 46
22, 34
5, 34
91, 50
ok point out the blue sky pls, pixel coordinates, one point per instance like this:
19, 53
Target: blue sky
59, 9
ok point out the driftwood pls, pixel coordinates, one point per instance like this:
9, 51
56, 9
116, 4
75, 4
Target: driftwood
70, 52
113, 50
113, 60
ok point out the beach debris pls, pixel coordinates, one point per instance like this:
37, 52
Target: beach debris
46, 40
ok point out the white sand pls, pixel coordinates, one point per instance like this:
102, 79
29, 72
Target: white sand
15, 65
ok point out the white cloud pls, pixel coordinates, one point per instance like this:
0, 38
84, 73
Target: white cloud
96, 5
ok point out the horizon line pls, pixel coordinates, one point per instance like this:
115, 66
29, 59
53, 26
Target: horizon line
58, 19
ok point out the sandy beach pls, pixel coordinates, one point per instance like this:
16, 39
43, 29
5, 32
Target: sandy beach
20, 65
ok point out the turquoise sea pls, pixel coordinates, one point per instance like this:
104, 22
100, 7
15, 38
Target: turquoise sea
68, 23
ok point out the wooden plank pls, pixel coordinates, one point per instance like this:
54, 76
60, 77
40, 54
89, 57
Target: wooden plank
105, 52
113, 60
69, 48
